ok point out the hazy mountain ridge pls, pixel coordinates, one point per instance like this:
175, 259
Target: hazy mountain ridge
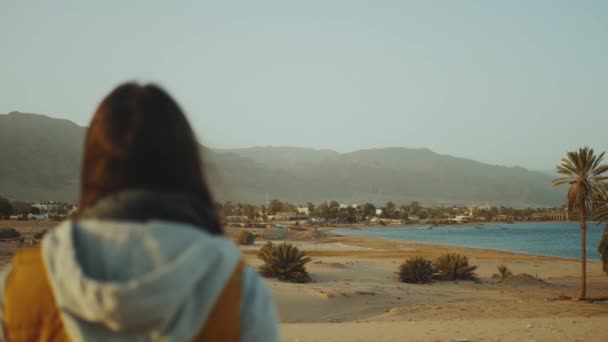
41, 160
40, 156
402, 174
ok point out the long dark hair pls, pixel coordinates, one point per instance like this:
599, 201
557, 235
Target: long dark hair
139, 138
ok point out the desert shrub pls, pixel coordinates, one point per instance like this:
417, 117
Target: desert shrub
9, 233
284, 262
246, 238
416, 270
453, 266
503, 271
40, 234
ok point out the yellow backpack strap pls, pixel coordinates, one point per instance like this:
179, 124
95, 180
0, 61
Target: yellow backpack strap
30, 311
224, 322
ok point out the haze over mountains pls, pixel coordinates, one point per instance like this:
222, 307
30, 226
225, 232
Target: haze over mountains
40, 160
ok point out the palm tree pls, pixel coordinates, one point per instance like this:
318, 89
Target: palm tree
582, 171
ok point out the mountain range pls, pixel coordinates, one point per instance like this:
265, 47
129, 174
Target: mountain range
40, 160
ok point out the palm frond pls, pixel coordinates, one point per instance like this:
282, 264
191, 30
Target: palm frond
601, 213
560, 181
587, 177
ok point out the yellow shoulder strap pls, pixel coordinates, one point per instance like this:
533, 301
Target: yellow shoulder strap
224, 323
30, 311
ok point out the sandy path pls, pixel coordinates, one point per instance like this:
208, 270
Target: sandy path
538, 329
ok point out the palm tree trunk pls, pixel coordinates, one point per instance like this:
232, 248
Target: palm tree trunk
583, 289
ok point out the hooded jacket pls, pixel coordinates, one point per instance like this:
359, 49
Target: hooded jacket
146, 280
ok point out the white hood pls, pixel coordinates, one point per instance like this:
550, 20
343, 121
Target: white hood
114, 279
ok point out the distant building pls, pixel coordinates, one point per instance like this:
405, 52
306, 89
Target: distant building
303, 210
40, 217
236, 218
284, 215
462, 218
289, 216
378, 211
46, 207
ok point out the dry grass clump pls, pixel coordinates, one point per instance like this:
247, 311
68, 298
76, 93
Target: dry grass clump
503, 272
506, 277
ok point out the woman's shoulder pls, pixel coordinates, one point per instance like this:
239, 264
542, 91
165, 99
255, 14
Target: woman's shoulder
258, 313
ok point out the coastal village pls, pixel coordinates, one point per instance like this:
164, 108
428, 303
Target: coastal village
325, 213
332, 213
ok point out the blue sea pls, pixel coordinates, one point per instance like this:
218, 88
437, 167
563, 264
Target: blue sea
547, 239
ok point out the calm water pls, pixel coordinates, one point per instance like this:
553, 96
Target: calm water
549, 239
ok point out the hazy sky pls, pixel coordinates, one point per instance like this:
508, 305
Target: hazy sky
504, 82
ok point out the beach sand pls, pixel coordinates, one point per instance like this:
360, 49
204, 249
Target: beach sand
354, 296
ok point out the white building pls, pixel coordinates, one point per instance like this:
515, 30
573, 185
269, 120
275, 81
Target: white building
304, 210
40, 217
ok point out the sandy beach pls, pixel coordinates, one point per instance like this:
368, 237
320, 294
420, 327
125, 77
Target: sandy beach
354, 296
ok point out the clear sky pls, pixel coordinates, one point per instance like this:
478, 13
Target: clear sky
504, 82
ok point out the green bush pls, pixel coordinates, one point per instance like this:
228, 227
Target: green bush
9, 233
284, 262
246, 238
417, 270
453, 266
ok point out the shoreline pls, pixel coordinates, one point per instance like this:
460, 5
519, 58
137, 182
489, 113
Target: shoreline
447, 245
381, 248
443, 225
473, 249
